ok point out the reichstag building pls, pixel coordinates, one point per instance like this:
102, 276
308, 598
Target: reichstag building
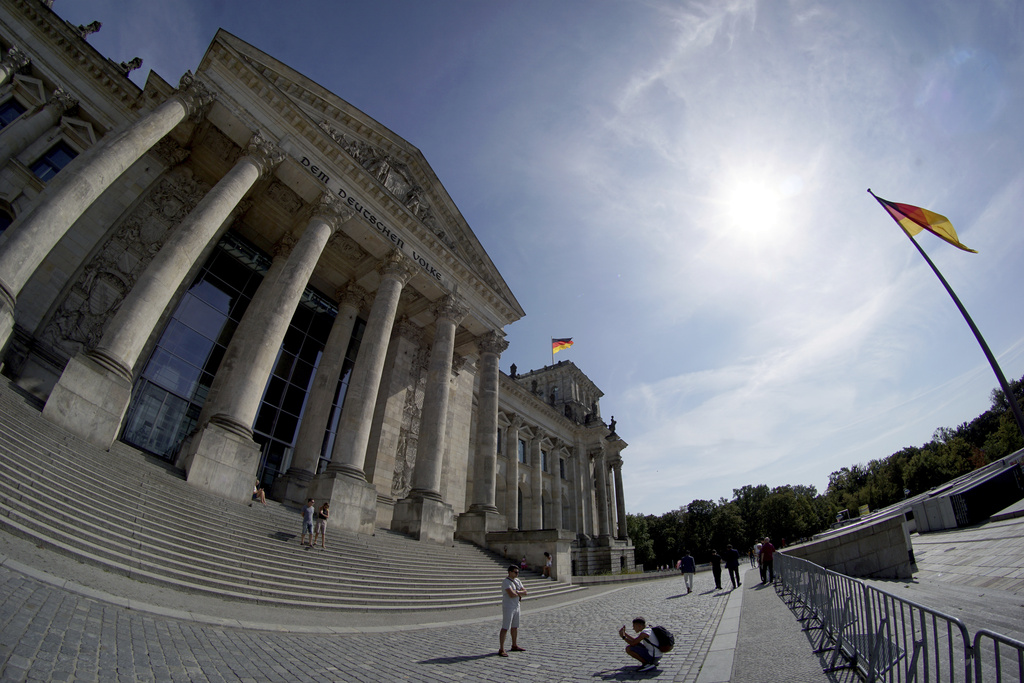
243, 274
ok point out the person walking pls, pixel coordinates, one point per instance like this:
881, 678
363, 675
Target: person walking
767, 561
732, 563
687, 567
512, 593
546, 572
320, 528
716, 568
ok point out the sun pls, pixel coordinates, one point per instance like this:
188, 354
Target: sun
754, 207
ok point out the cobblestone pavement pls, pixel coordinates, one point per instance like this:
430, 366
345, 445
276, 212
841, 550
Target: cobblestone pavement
772, 646
50, 634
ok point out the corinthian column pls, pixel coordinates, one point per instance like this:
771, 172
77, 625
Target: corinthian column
353, 499
14, 60
31, 237
293, 485
620, 502
27, 129
222, 456
423, 513
94, 390
483, 515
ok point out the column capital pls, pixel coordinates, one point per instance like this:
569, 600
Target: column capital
396, 266
195, 95
515, 420
332, 210
450, 309
15, 59
351, 295
492, 343
62, 100
458, 363
264, 152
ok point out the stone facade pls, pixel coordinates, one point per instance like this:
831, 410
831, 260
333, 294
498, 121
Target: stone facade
249, 277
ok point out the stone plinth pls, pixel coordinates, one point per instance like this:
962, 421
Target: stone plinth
222, 461
90, 401
474, 525
425, 519
353, 501
514, 545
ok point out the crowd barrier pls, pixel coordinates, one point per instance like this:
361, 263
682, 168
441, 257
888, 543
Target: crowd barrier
889, 638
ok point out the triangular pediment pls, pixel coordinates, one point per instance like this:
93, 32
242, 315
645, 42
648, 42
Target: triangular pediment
392, 164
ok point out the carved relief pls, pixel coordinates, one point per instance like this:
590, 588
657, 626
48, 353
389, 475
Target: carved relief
396, 178
78, 322
283, 196
409, 434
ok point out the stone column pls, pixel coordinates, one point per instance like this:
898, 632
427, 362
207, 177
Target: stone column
222, 456
483, 515
556, 486
294, 484
586, 487
94, 390
29, 128
620, 503
31, 237
14, 60
353, 499
538, 480
512, 475
603, 522
423, 513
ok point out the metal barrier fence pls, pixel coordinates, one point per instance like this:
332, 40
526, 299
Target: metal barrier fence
888, 638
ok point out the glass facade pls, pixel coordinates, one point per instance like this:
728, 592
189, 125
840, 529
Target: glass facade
170, 393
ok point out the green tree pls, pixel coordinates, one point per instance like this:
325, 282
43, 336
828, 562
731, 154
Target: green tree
640, 535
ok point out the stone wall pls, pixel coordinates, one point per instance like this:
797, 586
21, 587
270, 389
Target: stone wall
879, 549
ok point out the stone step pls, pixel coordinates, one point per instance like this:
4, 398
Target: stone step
134, 515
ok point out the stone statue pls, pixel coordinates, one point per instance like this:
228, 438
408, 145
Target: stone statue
512, 371
612, 425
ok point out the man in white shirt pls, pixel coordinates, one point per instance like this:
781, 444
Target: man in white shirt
512, 593
642, 647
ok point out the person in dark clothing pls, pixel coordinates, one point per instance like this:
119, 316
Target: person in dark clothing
767, 561
716, 568
732, 563
687, 567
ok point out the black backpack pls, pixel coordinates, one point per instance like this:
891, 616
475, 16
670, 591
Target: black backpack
666, 641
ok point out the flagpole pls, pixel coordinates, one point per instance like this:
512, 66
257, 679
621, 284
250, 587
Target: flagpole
1007, 391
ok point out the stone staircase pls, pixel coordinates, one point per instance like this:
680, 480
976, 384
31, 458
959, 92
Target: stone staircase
133, 514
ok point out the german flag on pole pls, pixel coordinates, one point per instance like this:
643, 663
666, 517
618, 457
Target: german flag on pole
914, 219
560, 344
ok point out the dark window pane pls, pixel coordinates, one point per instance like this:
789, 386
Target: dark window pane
293, 399
284, 430
55, 158
265, 419
275, 390
302, 375
10, 110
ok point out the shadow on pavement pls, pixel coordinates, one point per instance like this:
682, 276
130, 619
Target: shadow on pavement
457, 660
626, 673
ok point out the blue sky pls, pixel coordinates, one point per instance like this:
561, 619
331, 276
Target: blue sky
681, 188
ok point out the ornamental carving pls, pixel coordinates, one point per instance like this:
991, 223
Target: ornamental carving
284, 246
397, 266
351, 295
409, 433
395, 177
492, 343
195, 95
170, 153
62, 101
332, 211
78, 323
450, 309
15, 59
264, 152
283, 196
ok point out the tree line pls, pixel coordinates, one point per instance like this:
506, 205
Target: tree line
793, 512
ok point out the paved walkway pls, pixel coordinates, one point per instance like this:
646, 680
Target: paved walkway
61, 621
